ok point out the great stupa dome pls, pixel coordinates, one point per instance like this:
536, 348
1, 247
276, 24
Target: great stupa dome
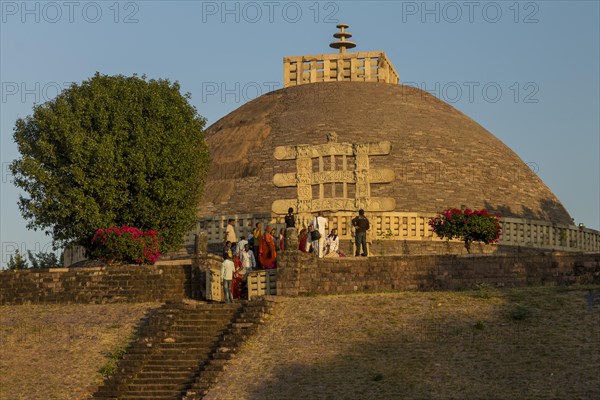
343, 134
440, 157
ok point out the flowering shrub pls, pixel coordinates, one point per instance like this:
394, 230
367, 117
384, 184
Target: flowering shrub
126, 244
469, 226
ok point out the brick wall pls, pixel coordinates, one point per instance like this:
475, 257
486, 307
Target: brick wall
302, 274
98, 284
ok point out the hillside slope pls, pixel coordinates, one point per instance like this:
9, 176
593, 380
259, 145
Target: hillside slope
536, 343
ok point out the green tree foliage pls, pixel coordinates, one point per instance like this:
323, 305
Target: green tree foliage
468, 226
112, 151
43, 260
17, 262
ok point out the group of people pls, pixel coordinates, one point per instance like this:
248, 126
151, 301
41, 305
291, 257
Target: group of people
314, 240
259, 250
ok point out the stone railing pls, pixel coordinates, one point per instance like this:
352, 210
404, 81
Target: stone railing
370, 66
405, 226
215, 227
545, 235
262, 283
399, 226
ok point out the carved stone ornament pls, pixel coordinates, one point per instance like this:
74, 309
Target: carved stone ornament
305, 178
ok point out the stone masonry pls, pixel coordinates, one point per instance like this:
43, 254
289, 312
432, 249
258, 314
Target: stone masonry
302, 274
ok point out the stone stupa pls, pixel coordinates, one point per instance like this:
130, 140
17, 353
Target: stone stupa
343, 134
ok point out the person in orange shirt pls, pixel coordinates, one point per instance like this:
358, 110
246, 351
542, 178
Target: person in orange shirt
267, 254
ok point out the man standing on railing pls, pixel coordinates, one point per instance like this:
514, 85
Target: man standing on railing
361, 226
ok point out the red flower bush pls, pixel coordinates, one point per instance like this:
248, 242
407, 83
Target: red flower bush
469, 226
126, 244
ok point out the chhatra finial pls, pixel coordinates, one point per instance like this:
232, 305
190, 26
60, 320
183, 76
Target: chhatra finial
342, 44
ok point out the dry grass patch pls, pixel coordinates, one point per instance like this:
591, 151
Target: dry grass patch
56, 351
535, 343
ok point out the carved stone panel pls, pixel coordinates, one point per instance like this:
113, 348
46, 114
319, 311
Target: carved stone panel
304, 178
284, 180
373, 204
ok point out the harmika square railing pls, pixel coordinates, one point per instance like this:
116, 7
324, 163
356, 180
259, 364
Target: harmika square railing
371, 66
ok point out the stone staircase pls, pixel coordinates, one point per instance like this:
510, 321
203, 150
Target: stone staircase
244, 324
181, 346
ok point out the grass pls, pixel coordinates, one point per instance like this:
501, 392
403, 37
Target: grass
531, 343
113, 359
55, 352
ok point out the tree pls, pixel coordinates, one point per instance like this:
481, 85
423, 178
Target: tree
112, 151
468, 226
18, 262
43, 260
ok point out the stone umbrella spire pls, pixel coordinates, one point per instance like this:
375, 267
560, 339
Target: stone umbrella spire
342, 43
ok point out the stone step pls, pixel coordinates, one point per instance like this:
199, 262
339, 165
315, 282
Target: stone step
162, 375
188, 340
197, 346
209, 310
201, 324
135, 387
169, 359
212, 307
171, 363
167, 381
198, 323
198, 330
155, 395
185, 348
159, 367
208, 320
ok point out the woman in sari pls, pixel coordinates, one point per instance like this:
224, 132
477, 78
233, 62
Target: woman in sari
302, 240
236, 283
266, 253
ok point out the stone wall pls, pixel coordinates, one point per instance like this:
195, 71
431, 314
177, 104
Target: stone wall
302, 274
98, 284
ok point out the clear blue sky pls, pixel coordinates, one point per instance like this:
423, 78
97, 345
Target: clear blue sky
542, 55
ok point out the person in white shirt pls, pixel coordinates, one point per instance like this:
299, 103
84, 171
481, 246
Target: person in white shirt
320, 224
240, 246
332, 244
247, 258
230, 232
227, 269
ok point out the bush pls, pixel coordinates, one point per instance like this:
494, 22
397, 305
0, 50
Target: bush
126, 244
469, 226
520, 312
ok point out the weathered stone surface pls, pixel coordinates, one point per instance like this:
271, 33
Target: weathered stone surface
440, 157
99, 284
307, 275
